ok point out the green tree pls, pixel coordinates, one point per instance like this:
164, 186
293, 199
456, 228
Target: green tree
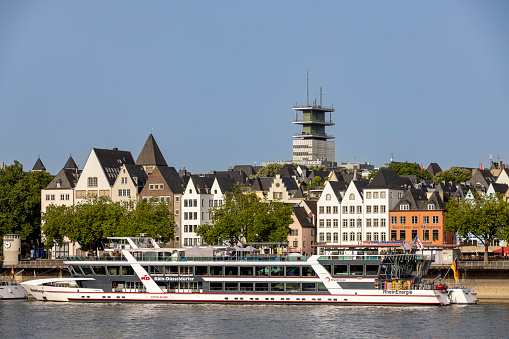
454, 174
317, 168
485, 217
20, 201
90, 222
408, 168
269, 171
244, 217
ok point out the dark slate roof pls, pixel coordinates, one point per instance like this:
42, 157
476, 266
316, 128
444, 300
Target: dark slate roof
137, 171
151, 155
386, 178
70, 163
413, 197
302, 217
338, 187
240, 177
202, 184
172, 178
112, 160
299, 194
226, 184
500, 188
361, 185
482, 177
433, 169
248, 169
289, 183
39, 166
312, 205
412, 178
436, 200
261, 184
288, 170
66, 177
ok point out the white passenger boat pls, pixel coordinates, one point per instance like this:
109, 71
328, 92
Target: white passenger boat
12, 290
137, 270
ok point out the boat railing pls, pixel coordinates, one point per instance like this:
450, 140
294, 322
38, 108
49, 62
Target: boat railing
144, 257
372, 257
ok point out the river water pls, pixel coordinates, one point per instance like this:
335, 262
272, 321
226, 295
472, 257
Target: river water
26, 319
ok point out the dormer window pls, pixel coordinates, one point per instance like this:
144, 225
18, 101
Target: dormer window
404, 207
431, 206
58, 184
135, 179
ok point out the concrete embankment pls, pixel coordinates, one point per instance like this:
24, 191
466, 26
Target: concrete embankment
489, 284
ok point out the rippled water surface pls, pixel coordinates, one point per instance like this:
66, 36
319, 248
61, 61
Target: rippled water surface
20, 319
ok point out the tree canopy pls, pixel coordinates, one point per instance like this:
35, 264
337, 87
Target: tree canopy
485, 217
454, 174
92, 221
20, 201
269, 171
242, 216
317, 168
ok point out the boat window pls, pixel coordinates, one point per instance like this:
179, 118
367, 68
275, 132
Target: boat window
231, 270
246, 271
261, 287
172, 270
216, 270
293, 271
186, 270
277, 271
216, 286
245, 286
321, 287
328, 268
307, 271
230, 286
87, 270
201, 270
156, 270
127, 270
371, 269
340, 269
356, 269
292, 287
262, 271
277, 287
99, 270
113, 270
77, 270
308, 287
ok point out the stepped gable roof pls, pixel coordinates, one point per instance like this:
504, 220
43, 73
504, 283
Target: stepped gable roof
247, 169
262, 184
433, 169
151, 155
227, 184
137, 171
70, 164
386, 178
112, 160
39, 166
413, 197
65, 179
500, 188
288, 170
338, 187
202, 184
302, 217
289, 183
482, 177
172, 178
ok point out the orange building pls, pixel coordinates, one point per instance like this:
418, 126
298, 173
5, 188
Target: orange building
417, 215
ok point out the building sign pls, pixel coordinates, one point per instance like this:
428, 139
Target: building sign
173, 278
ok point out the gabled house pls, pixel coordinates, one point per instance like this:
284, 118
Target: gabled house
417, 215
329, 214
195, 209
100, 172
503, 177
261, 186
502, 189
482, 179
352, 225
129, 183
302, 235
284, 189
166, 184
60, 191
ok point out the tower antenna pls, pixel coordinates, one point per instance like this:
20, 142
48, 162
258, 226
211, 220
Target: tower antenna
307, 83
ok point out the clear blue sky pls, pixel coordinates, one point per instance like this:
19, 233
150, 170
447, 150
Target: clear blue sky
425, 80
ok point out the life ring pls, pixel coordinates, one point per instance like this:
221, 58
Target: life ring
114, 284
327, 279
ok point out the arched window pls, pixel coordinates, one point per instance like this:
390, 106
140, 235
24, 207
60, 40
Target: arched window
352, 196
327, 197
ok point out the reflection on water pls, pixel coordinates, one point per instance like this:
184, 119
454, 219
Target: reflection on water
45, 319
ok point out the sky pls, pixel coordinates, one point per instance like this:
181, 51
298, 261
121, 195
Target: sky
215, 81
